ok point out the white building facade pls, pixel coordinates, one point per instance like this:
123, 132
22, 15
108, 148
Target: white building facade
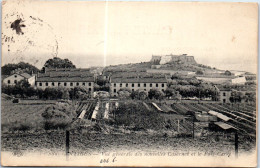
66, 78
16, 78
134, 84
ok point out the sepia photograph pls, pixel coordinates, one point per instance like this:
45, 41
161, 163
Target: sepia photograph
119, 83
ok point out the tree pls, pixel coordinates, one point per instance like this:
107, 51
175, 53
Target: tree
199, 72
142, 95
139, 95
250, 97
169, 92
228, 73
9, 69
58, 63
79, 93
155, 94
124, 93
235, 97
65, 94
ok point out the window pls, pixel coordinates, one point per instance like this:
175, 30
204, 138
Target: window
53, 84
71, 84
133, 85
46, 84
114, 90
224, 100
224, 94
162, 84
133, 90
40, 84
15, 81
144, 89
8, 81
162, 90
89, 84
138, 84
144, 84
15, 76
120, 84
114, 84
89, 89
65, 84
151, 85
59, 84
83, 84
126, 85
156, 84
77, 84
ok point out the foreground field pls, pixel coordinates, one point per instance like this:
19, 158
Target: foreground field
86, 143
131, 126
22, 116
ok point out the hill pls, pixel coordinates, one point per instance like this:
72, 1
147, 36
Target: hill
170, 64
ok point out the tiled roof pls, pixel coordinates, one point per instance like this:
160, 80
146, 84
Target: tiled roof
73, 75
65, 79
26, 75
139, 80
236, 87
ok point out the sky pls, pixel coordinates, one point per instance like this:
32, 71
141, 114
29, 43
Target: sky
221, 35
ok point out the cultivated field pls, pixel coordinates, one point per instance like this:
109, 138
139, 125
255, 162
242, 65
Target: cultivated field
22, 116
121, 125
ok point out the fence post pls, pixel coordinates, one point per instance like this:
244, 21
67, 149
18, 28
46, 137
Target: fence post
193, 120
236, 144
67, 144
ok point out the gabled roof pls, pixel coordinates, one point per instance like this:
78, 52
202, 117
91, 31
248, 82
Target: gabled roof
73, 75
138, 77
26, 75
138, 80
65, 79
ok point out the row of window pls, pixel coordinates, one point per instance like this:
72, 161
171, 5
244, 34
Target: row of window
64, 84
139, 85
15, 81
133, 90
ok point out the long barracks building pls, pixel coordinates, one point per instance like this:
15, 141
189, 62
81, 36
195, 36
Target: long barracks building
67, 78
137, 82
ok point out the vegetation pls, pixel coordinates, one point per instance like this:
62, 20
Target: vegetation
191, 87
21, 117
58, 116
139, 95
199, 72
171, 93
24, 90
155, 94
227, 73
135, 115
124, 93
101, 84
57, 62
238, 97
8, 69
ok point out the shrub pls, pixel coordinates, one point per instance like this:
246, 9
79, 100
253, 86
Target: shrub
24, 126
135, 115
58, 116
155, 94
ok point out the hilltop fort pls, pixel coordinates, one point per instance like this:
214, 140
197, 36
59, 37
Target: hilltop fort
173, 58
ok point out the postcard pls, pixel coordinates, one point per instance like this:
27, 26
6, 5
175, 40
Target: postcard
119, 83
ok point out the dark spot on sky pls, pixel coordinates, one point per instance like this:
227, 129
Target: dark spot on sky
17, 25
